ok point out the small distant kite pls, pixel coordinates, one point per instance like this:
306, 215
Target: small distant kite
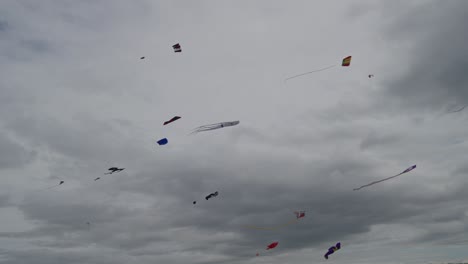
333, 249
61, 182
163, 141
97, 178
211, 195
372, 183
345, 63
172, 120
114, 169
371, 75
177, 48
214, 126
299, 214
142, 58
272, 245
458, 110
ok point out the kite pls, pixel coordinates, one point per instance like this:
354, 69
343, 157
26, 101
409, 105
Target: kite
345, 63
142, 58
163, 141
333, 249
299, 214
272, 245
60, 183
371, 75
214, 126
177, 48
97, 178
372, 183
114, 169
172, 120
459, 110
211, 195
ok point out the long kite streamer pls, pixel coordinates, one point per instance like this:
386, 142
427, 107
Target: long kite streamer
459, 110
372, 183
326, 68
345, 63
214, 126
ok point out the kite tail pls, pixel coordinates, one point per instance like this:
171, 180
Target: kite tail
326, 68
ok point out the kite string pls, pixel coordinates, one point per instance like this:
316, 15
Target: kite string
273, 227
326, 68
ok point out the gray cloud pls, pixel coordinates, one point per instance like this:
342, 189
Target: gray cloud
76, 100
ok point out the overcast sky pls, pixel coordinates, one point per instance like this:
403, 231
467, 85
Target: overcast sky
75, 99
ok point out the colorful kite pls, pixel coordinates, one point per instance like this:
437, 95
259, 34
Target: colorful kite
163, 141
214, 126
114, 169
333, 249
345, 63
172, 120
177, 48
372, 183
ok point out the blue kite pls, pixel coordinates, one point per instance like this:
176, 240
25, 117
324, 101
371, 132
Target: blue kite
163, 141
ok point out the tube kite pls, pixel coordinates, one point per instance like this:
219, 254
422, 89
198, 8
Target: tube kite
172, 120
345, 63
214, 126
211, 195
332, 250
163, 141
372, 183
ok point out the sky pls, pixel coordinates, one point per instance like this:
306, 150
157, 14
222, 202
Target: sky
75, 99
